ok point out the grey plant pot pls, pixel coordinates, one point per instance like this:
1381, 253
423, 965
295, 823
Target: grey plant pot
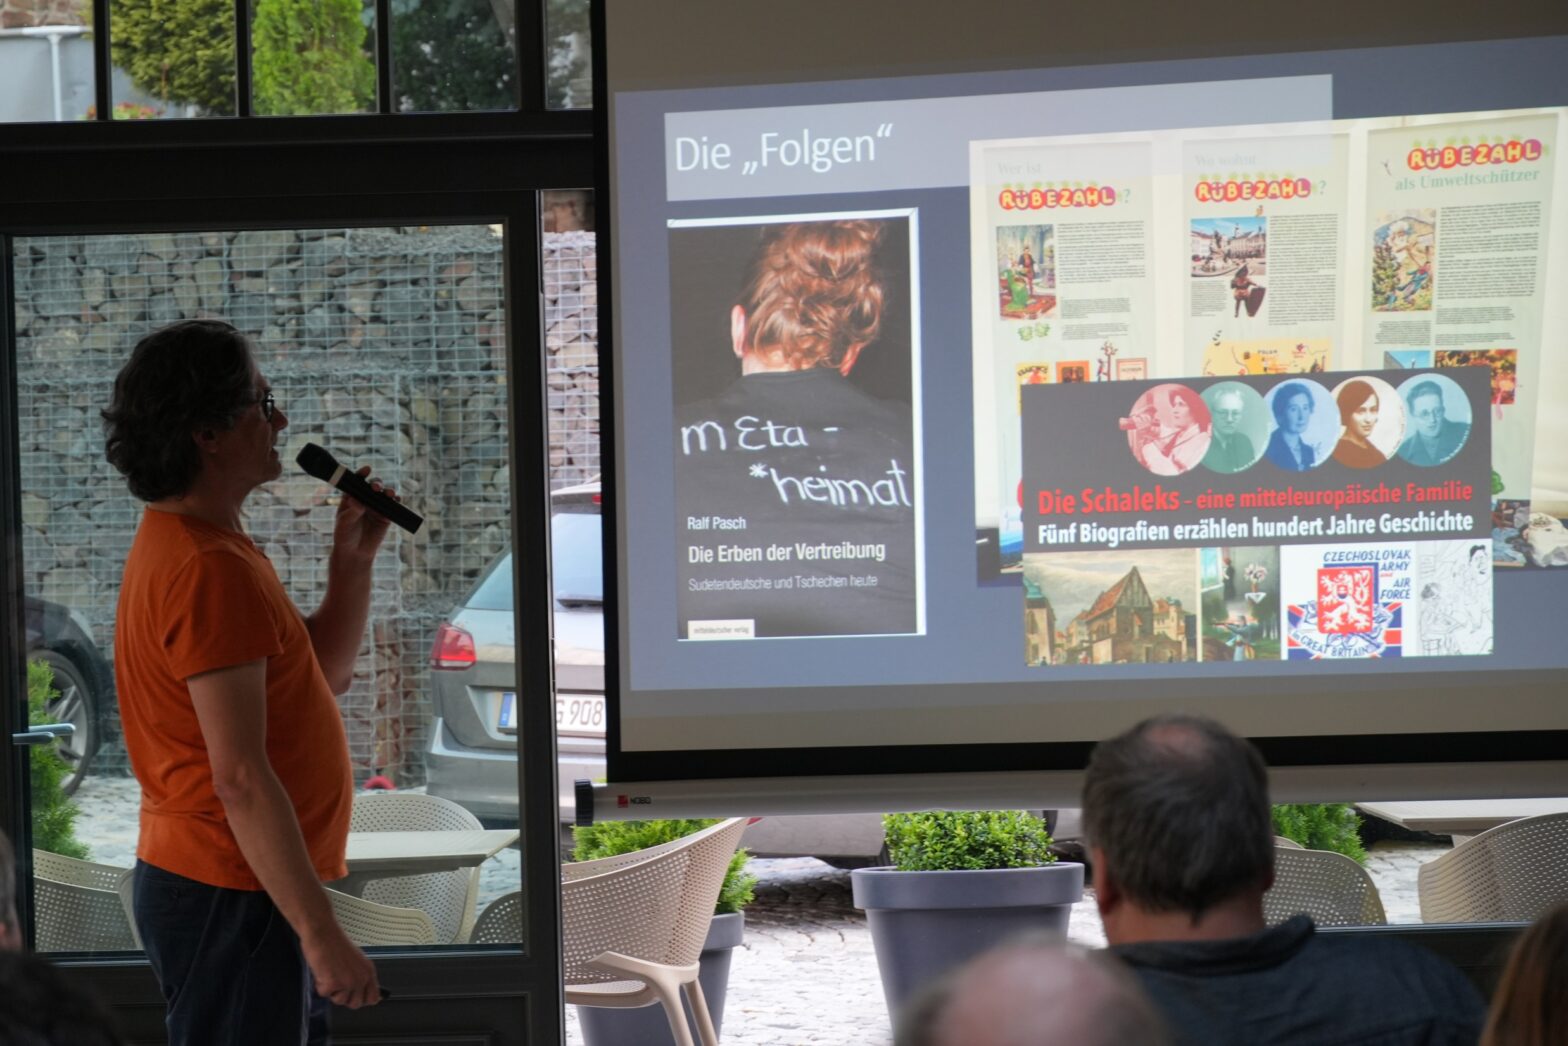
926, 923
647, 1025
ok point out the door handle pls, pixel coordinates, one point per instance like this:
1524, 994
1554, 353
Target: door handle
43, 733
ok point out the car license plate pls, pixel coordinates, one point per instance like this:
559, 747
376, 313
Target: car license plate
579, 714
507, 720
574, 714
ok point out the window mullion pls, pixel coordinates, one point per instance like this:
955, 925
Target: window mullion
102, 67
242, 49
384, 56
533, 64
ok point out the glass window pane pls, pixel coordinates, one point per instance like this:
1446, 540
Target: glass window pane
388, 347
46, 62
173, 58
569, 43
312, 57
454, 55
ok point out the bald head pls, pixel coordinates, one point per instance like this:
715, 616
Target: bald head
1031, 992
1178, 808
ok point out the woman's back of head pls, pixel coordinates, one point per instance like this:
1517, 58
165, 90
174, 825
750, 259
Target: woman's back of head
814, 292
1530, 1006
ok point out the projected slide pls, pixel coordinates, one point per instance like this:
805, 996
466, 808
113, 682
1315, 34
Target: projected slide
984, 407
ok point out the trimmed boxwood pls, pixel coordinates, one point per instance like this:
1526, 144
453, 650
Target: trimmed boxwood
948, 840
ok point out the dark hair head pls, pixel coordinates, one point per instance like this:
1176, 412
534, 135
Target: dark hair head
39, 1007
1351, 396
1287, 392
1179, 808
814, 292
1530, 1006
1196, 407
188, 376
1423, 388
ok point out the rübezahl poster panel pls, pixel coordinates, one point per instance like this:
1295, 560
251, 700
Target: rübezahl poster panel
969, 405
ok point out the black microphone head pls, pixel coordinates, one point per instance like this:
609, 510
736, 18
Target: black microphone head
316, 461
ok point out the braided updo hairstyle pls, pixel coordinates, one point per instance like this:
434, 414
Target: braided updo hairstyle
814, 293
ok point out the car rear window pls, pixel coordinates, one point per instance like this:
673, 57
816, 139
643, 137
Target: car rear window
577, 565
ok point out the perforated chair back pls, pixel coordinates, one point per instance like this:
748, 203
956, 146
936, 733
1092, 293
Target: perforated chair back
600, 865
368, 923
62, 869
1515, 872
501, 922
77, 906
1330, 887
656, 909
448, 897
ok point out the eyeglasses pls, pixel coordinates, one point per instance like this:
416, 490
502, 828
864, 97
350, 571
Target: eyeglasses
268, 405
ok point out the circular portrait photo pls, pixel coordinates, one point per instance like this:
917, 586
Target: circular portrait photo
1168, 429
1372, 420
1303, 424
1437, 414
1240, 426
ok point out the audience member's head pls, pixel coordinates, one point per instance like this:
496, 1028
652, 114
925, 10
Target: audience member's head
1530, 1006
1176, 816
39, 1007
10, 928
1030, 991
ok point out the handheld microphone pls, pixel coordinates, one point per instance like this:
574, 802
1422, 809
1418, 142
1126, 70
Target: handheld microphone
325, 467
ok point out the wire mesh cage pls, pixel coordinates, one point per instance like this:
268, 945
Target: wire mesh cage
388, 346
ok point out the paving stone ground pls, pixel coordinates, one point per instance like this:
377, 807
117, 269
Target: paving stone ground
806, 973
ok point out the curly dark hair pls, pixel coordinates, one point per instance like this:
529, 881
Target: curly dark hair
188, 376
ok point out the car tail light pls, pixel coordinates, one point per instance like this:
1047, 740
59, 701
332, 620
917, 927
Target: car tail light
453, 648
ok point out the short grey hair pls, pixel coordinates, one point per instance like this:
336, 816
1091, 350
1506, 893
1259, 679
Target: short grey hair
1001, 997
1178, 807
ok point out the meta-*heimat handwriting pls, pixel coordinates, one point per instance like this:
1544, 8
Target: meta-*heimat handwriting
887, 488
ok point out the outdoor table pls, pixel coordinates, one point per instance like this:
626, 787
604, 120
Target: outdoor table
384, 855
1461, 817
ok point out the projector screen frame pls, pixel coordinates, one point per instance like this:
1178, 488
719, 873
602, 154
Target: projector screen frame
1474, 756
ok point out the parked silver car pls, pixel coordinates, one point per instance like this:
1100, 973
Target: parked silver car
473, 741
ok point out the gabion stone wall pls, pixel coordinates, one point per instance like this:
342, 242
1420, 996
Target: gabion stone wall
387, 346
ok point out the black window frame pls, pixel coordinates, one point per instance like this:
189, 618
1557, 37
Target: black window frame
388, 168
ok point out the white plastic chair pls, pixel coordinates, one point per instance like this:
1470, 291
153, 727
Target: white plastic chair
501, 922
369, 923
1515, 872
634, 927
77, 905
1330, 887
448, 897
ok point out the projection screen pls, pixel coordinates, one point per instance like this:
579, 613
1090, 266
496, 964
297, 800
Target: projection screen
978, 384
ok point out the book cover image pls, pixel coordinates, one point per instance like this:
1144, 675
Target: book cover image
796, 363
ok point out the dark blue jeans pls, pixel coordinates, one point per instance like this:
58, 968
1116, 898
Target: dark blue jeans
229, 965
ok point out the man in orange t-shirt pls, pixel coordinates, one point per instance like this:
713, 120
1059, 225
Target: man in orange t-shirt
227, 700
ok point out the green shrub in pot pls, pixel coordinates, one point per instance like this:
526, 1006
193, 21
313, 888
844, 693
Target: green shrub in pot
945, 840
960, 883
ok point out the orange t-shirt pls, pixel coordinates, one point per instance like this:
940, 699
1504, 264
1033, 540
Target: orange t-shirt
195, 598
